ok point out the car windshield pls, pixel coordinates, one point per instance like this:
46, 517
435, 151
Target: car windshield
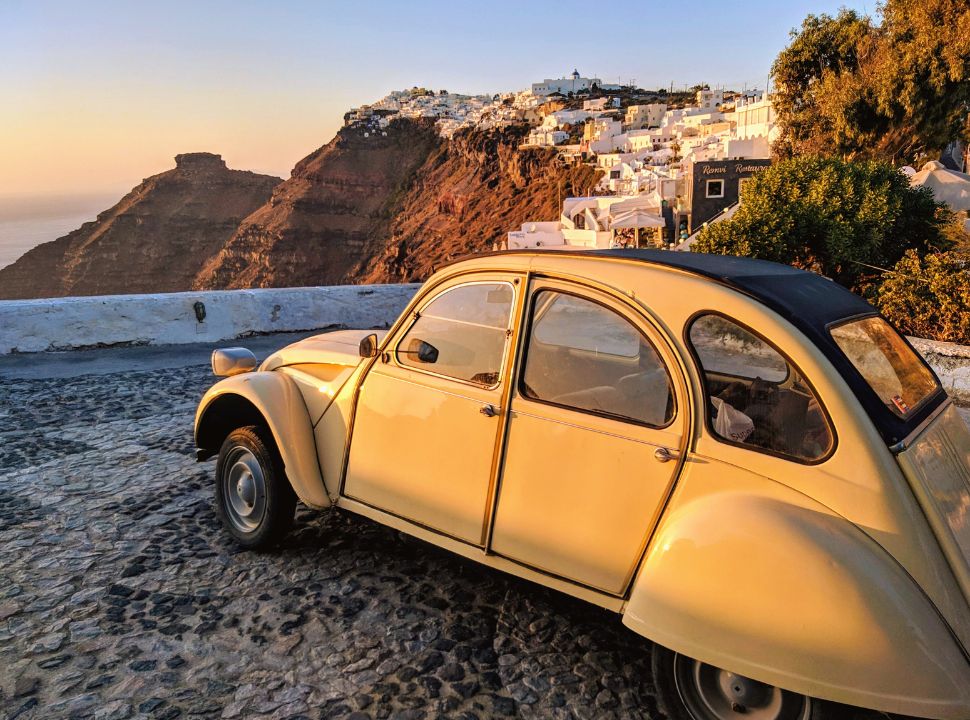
887, 363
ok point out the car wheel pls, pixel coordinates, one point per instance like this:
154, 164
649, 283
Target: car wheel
254, 499
688, 689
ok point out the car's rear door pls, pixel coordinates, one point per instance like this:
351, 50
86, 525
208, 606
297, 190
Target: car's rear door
425, 433
596, 429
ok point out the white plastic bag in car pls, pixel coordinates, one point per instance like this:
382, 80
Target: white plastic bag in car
730, 422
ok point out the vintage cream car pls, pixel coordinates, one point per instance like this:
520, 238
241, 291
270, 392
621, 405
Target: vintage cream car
743, 460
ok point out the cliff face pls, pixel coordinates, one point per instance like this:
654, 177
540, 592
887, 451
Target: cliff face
468, 195
390, 208
154, 240
331, 215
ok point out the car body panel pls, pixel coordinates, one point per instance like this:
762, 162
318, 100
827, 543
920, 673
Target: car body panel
596, 478
748, 575
339, 347
442, 445
445, 448
280, 402
937, 464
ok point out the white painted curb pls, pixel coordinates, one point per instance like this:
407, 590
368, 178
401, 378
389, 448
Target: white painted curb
170, 318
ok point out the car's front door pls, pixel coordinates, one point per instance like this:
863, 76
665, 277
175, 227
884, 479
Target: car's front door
596, 425
425, 432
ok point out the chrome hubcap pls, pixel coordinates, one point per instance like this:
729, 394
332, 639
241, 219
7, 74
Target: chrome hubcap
244, 490
710, 693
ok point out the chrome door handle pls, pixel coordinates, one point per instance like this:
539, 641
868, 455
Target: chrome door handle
488, 410
662, 454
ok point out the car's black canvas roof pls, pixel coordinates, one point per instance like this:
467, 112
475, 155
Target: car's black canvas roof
807, 296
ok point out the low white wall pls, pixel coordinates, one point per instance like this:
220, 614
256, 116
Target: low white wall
169, 318
951, 362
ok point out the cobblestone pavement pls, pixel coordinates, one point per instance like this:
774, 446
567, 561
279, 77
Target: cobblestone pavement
120, 596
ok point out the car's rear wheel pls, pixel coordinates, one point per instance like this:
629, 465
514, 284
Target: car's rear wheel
691, 690
254, 499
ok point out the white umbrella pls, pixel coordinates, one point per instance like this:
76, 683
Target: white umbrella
636, 219
948, 186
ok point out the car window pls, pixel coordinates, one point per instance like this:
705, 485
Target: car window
586, 357
756, 397
897, 374
461, 333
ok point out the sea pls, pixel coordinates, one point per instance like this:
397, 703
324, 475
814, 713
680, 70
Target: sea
27, 221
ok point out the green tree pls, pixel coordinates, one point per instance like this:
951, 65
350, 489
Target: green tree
928, 297
898, 90
846, 220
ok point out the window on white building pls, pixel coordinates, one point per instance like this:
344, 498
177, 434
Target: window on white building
715, 188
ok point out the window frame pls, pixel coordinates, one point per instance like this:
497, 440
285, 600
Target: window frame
707, 188
417, 315
520, 384
708, 424
789, 364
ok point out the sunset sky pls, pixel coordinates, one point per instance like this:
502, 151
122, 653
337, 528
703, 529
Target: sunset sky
98, 95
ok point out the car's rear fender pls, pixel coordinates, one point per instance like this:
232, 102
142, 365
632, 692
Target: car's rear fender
771, 585
272, 399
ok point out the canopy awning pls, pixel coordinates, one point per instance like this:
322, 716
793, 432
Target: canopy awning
948, 186
636, 219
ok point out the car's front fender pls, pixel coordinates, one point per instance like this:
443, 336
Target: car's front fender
777, 588
275, 400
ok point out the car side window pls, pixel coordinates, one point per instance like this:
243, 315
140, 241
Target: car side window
584, 356
461, 333
756, 397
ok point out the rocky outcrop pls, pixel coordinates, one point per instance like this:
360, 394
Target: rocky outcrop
155, 239
331, 215
467, 196
389, 208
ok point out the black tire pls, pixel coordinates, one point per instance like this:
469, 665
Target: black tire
254, 499
689, 690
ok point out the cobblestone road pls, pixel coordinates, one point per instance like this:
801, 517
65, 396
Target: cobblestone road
121, 597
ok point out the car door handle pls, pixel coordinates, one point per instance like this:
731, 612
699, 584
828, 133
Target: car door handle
488, 410
662, 454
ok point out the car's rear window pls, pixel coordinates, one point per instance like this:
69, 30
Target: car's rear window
887, 363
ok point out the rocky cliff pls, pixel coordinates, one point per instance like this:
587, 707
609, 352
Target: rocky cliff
154, 240
467, 196
388, 208
331, 214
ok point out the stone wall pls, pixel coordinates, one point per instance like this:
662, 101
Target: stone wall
951, 362
170, 318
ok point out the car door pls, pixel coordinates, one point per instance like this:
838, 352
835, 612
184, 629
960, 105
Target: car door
595, 432
426, 427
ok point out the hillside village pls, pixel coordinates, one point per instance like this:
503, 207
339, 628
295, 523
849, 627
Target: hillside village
670, 161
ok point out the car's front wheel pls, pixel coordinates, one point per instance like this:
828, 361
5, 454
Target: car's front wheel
691, 690
254, 499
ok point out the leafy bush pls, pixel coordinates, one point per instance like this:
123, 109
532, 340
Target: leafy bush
846, 220
928, 297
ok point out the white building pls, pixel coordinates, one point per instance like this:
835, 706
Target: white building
644, 116
590, 222
559, 118
565, 85
708, 100
755, 118
541, 137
